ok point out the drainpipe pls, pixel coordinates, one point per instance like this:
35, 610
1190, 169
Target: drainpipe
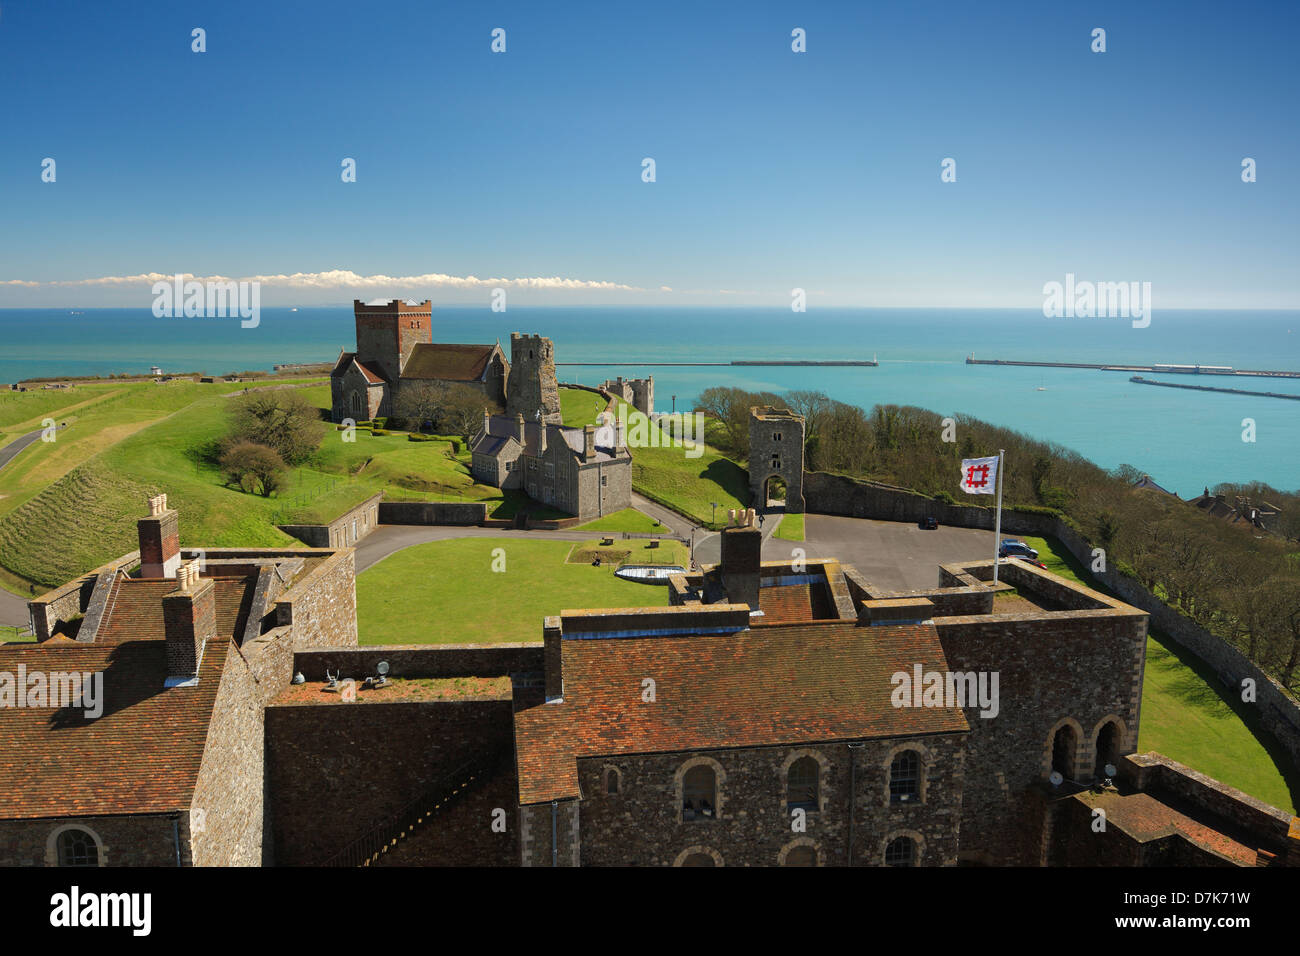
555, 846
176, 838
853, 791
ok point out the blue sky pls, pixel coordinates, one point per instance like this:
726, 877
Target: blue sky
775, 170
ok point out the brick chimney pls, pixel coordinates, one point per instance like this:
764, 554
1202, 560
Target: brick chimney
589, 443
742, 557
160, 545
552, 659
189, 622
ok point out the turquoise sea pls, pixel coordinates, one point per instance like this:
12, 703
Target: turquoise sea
1184, 439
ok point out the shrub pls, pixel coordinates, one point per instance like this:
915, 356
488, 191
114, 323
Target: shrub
253, 467
281, 419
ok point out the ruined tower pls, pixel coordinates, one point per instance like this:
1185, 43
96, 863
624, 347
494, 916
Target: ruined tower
532, 386
386, 333
776, 457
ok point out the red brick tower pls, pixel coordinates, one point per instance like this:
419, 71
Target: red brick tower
387, 333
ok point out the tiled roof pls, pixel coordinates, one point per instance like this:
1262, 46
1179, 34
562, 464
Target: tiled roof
791, 603
135, 610
142, 755
755, 688
449, 363
369, 371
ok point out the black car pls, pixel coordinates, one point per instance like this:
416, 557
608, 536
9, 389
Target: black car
928, 523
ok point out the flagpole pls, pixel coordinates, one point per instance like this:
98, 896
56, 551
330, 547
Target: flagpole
997, 526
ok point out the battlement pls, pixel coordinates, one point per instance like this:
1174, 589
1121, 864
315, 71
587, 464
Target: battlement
393, 307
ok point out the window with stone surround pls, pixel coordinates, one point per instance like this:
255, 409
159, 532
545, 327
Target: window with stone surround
905, 778
801, 856
900, 851
77, 848
700, 793
802, 780
613, 781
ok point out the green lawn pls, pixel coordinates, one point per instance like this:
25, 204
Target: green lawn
663, 472
631, 551
86, 489
1188, 716
579, 407
790, 528
446, 592
629, 519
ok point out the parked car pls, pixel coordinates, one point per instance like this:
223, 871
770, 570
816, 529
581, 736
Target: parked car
1011, 548
1034, 562
928, 523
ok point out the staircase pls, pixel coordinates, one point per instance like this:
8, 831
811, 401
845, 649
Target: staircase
388, 835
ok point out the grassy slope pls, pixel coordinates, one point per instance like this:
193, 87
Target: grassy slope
475, 605
579, 407
1185, 715
183, 421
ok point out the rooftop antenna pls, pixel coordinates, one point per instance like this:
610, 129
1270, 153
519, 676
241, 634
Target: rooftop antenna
382, 679
331, 680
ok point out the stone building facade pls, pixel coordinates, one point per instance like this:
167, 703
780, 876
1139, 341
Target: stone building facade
776, 442
557, 465
637, 392
396, 357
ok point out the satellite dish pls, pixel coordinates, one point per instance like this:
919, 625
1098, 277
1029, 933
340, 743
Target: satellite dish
1110, 770
382, 667
1056, 778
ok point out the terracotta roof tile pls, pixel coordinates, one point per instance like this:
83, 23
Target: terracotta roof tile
142, 755
450, 363
761, 687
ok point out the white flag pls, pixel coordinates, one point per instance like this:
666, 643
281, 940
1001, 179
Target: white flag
979, 476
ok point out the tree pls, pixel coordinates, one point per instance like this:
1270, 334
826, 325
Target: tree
280, 419
254, 468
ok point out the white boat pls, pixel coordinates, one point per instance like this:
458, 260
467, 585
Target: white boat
649, 573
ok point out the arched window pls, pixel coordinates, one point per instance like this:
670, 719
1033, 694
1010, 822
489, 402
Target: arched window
77, 848
1107, 747
699, 793
802, 785
801, 856
905, 778
900, 852
355, 401
1064, 744
612, 782
698, 859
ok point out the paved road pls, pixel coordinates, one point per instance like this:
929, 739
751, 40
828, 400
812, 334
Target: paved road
10, 451
13, 609
894, 554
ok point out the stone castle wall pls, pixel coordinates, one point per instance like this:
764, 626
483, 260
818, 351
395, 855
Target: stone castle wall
1278, 711
336, 770
642, 824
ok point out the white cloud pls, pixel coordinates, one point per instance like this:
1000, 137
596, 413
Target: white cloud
346, 279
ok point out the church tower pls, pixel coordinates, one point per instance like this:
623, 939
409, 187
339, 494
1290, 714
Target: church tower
386, 333
532, 386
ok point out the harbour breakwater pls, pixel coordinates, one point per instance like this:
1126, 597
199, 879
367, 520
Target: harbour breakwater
1211, 388
780, 363
1164, 369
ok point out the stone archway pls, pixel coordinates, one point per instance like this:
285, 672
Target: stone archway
775, 492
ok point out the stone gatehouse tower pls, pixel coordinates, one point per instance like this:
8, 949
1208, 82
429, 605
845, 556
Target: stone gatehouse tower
532, 386
776, 452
